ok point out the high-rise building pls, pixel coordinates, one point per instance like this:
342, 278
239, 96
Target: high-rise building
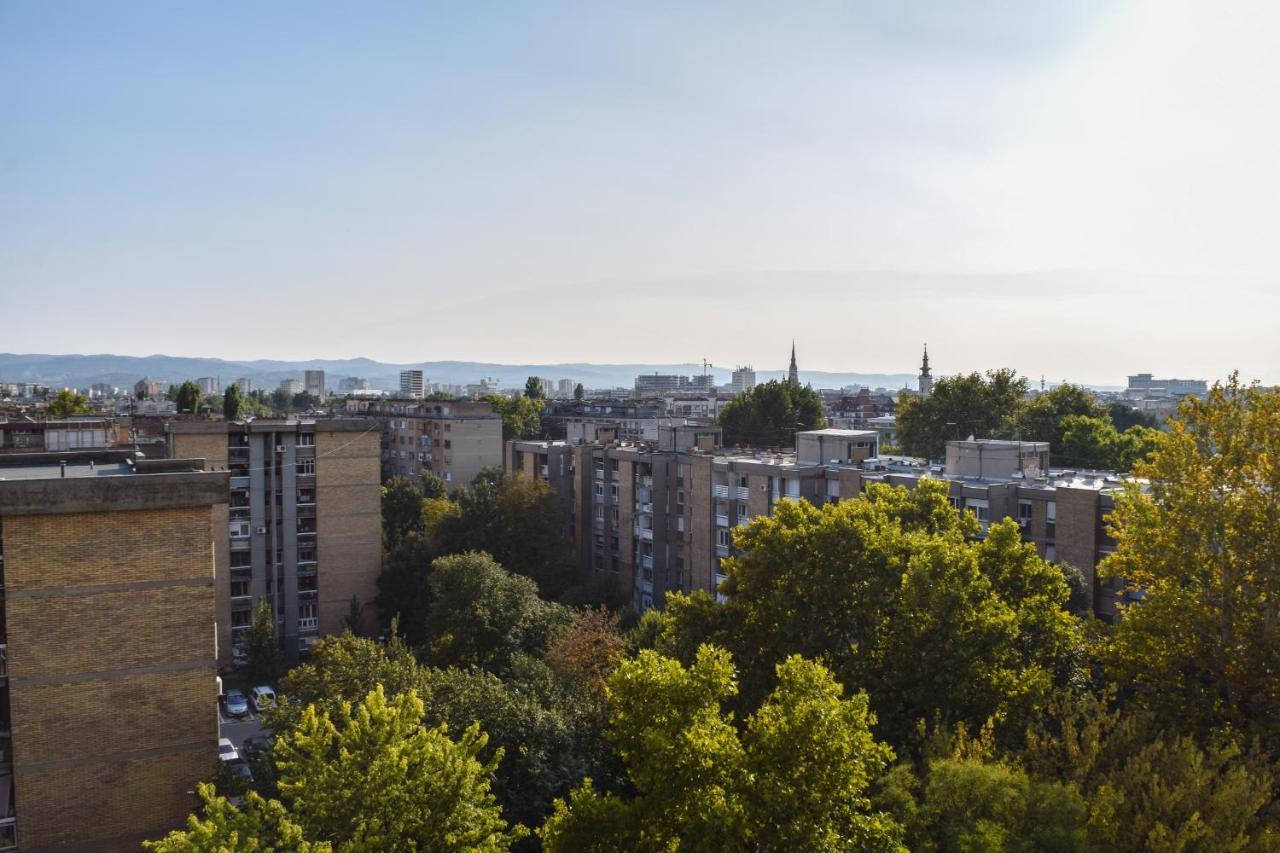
450, 439
565, 387
292, 386
148, 387
744, 379
793, 372
245, 383
313, 383
353, 383
107, 669
412, 384
660, 383
925, 383
305, 529
209, 385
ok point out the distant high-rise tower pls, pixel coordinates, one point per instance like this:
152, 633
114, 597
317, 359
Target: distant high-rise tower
793, 373
926, 378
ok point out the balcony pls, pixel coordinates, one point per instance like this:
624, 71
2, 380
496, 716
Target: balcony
647, 561
240, 482
743, 520
722, 550
645, 533
722, 520
645, 508
308, 623
741, 493
543, 471
720, 492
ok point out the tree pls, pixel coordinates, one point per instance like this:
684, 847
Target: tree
795, 779
303, 402
533, 389
579, 392
187, 398
482, 615
770, 414
68, 402
889, 591
588, 651
281, 400
233, 404
259, 826
521, 416
1124, 416
372, 777
957, 407
1087, 442
401, 510
1041, 419
261, 647
1200, 547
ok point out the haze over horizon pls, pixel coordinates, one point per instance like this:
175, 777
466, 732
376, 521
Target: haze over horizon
1082, 191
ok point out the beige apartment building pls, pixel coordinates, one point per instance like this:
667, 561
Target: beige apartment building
107, 655
304, 527
654, 517
454, 440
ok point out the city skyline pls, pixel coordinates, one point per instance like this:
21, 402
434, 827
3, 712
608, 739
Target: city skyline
1018, 186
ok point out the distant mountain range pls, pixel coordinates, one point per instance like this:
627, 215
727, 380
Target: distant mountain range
81, 371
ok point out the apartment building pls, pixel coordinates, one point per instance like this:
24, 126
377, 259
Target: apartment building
209, 385
658, 516
453, 439
412, 384
292, 386
107, 659
304, 527
76, 433
743, 380
313, 382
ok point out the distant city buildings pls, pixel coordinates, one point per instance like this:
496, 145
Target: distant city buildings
411, 384
148, 387
292, 386
245, 384
793, 372
353, 383
209, 385
925, 382
565, 387
744, 379
1143, 385
313, 383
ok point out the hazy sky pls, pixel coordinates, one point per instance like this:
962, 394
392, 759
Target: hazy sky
1083, 191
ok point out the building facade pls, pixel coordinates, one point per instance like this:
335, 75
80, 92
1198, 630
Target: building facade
304, 527
925, 382
653, 517
452, 439
412, 384
107, 659
313, 383
744, 379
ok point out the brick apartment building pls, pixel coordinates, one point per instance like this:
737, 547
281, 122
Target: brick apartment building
107, 657
653, 517
304, 528
451, 439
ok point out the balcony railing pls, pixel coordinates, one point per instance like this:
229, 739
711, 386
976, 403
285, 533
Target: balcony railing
644, 532
722, 520
308, 623
720, 491
239, 482
722, 550
647, 561
741, 493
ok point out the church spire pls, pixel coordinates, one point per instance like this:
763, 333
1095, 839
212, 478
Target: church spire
793, 373
926, 378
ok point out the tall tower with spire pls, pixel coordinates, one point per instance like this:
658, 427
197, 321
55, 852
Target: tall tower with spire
926, 378
793, 373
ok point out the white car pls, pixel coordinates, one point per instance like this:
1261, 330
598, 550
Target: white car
263, 698
227, 750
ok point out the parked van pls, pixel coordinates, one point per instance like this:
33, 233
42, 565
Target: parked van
262, 698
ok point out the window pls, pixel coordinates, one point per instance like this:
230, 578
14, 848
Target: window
599, 490
979, 508
239, 530
241, 618
722, 537
306, 467
306, 439
307, 615
239, 588
307, 583
241, 559
447, 444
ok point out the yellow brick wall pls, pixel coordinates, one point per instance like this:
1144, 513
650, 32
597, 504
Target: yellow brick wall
348, 524
211, 447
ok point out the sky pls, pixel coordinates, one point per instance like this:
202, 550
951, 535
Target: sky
1078, 190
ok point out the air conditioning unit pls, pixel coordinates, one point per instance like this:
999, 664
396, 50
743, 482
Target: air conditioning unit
262, 531
279, 448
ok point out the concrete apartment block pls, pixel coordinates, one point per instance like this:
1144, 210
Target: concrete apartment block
108, 595
348, 523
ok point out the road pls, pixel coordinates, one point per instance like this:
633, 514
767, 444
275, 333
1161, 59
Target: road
237, 731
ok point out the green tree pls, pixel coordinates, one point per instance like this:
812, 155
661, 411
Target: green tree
259, 826
263, 662
770, 414
482, 615
1041, 419
579, 392
533, 389
233, 404
302, 401
795, 779
187, 398
68, 402
1087, 442
1201, 545
889, 591
957, 407
1124, 416
281, 400
401, 510
521, 416
371, 777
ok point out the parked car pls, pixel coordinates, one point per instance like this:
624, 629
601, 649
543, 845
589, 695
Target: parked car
255, 746
240, 768
227, 750
235, 703
263, 698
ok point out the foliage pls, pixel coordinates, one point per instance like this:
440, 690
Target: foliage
533, 388
401, 510
263, 662
957, 407
770, 414
1202, 545
795, 779
259, 826
404, 594
482, 615
1089, 442
371, 777
233, 404
1124, 416
579, 392
187, 398
521, 416
888, 591
1041, 418
68, 402
588, 650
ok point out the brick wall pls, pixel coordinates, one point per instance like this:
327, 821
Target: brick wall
348, 524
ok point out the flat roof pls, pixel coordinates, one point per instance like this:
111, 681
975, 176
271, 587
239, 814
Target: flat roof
845, 433
50, 471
